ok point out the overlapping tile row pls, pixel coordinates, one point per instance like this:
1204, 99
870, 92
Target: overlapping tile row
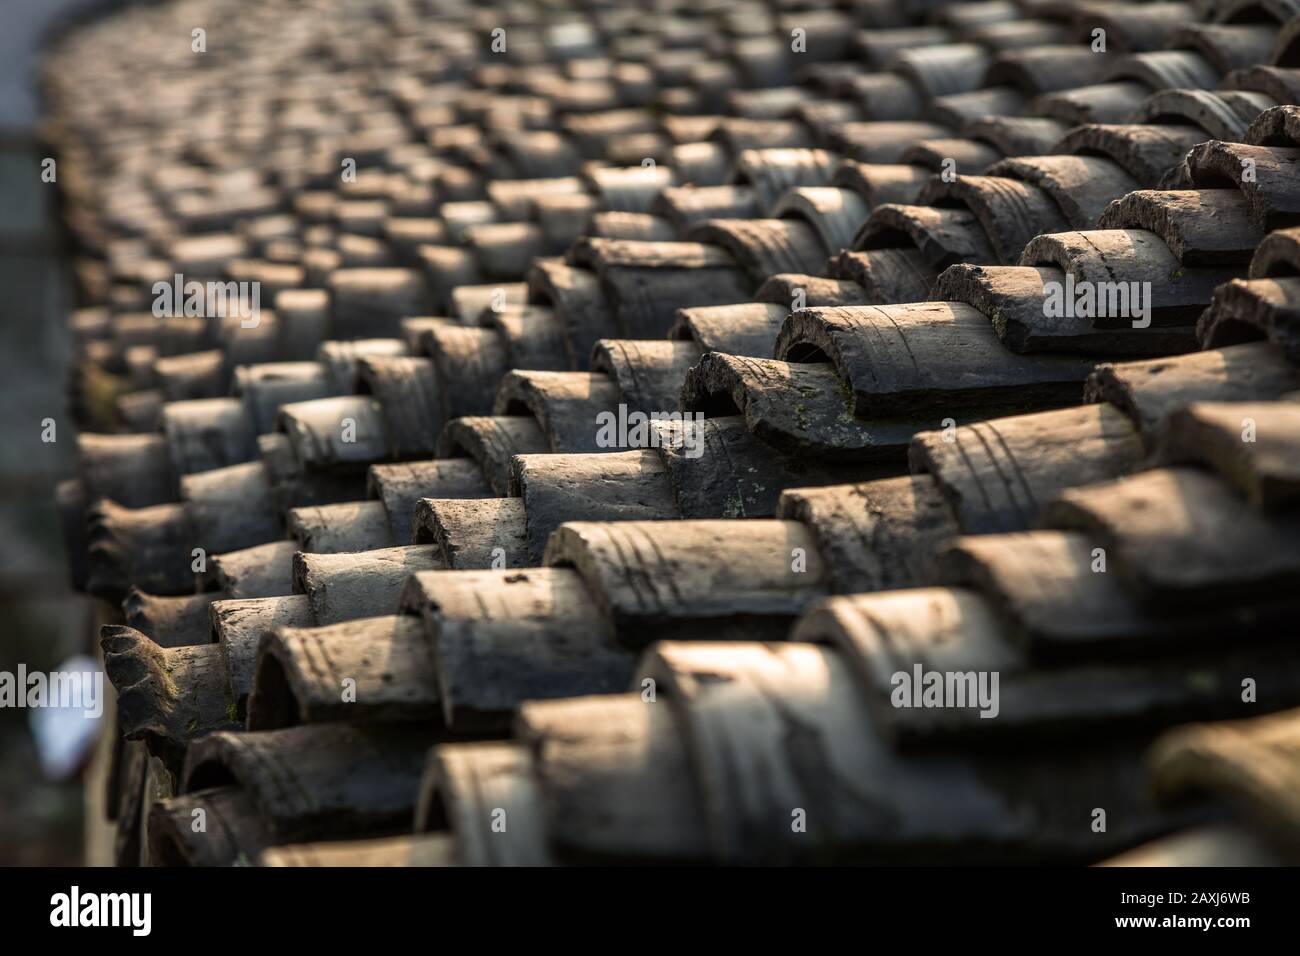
557, 412
467, 129
384, 297
581, 314
1097, 559
542, 566
901, 523
463, 365
632, 188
